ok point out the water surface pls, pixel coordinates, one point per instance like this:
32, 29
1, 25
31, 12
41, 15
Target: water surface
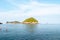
30, 32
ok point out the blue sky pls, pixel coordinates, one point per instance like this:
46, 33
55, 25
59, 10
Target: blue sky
46, 11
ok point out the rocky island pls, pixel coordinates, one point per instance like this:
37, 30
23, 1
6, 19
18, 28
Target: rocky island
1, 23
30, 20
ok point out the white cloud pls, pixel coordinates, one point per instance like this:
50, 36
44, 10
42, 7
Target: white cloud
38, 8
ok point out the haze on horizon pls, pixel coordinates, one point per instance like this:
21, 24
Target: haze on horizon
45, 11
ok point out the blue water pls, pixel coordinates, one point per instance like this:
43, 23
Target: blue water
29, 32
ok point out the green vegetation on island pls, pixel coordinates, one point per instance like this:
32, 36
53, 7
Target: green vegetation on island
30, 20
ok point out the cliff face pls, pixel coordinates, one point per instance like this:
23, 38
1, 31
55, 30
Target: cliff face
30, 20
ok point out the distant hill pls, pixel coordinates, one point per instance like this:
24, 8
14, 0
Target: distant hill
30, 20
14, 22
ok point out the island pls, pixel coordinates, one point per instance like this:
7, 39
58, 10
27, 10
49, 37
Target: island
30, 20
14, 22
1, 23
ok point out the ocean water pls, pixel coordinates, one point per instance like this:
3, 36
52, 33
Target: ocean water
29, 32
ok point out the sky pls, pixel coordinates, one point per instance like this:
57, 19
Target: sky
45, 11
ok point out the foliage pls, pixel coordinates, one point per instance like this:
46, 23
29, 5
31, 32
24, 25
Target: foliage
31, 19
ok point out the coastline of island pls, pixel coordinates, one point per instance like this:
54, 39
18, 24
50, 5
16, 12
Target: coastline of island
30, 20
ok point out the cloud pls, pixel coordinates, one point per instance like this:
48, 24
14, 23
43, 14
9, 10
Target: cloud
37, 8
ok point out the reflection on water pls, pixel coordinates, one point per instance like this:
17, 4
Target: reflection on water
30, 27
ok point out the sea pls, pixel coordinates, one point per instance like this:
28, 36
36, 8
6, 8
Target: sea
29, 32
